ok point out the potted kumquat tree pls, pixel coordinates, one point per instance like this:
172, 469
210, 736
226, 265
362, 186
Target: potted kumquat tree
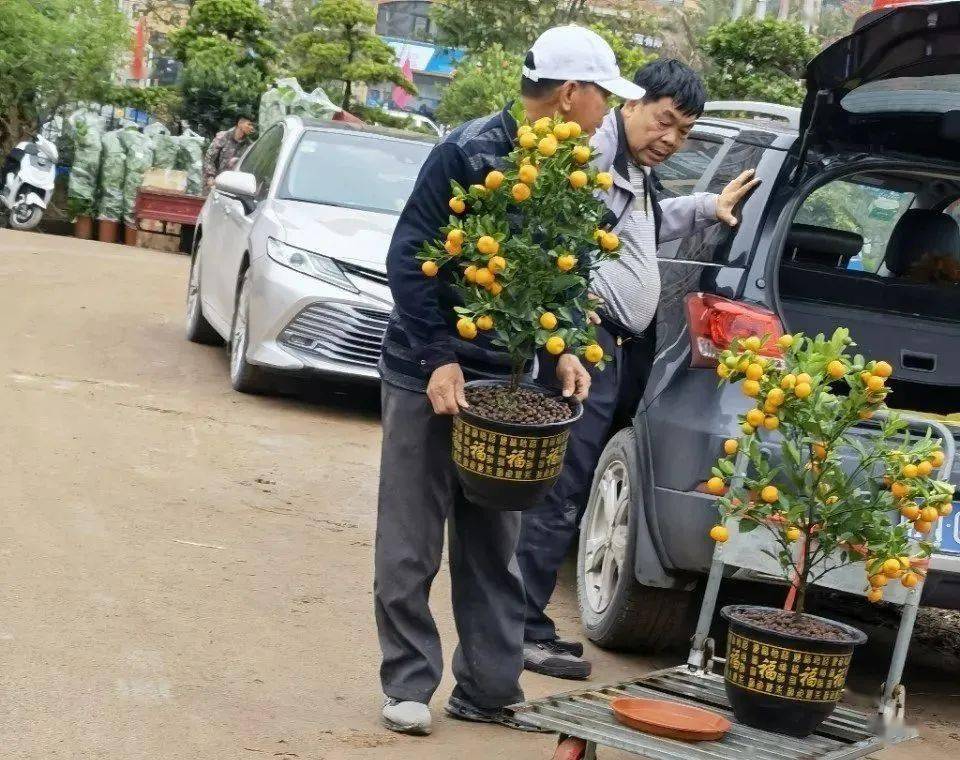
519, 250
830, 496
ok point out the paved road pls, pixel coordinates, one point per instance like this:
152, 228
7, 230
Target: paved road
186, 571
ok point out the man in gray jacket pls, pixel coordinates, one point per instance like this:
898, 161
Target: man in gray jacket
631, 141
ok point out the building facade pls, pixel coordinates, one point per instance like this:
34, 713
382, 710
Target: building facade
151, 21
406, 26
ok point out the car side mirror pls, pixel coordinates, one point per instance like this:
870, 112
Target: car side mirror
239, 185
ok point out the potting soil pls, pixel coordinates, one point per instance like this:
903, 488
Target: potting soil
793, 624
523, 406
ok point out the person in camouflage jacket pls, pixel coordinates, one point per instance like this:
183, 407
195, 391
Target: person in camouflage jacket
226, 146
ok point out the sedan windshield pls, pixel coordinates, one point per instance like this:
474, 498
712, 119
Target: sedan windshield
363, 171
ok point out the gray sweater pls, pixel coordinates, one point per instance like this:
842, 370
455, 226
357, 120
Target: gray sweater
630, 285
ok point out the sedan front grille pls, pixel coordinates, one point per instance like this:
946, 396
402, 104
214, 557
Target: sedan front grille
338, 332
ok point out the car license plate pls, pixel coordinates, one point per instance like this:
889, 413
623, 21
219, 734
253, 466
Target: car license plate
950, 532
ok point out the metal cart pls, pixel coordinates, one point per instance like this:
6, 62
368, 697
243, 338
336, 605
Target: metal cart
585, 721
170, 207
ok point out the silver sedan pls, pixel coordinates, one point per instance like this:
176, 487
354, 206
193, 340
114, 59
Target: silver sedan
289, 263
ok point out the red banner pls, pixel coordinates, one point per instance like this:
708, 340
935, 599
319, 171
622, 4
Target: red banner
138, 66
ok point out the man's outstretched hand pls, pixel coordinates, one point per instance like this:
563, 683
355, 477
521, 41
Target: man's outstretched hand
445, 389
573, 376
732, 194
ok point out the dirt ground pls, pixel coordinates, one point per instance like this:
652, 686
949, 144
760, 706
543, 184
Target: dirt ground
186, 571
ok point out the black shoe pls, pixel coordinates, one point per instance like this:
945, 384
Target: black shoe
570, 647
547, 658
462, 710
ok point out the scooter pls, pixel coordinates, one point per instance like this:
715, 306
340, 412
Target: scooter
27, 183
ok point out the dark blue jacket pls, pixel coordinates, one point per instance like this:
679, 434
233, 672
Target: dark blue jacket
421, 334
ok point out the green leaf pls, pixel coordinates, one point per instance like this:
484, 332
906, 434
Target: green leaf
564, 282
790, 452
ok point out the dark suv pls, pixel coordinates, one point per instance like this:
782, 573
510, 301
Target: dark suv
855, 225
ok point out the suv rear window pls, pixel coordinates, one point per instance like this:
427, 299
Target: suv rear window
860, 246
870, 212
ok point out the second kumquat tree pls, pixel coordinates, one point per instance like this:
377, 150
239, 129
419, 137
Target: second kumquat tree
523, 243
828, 493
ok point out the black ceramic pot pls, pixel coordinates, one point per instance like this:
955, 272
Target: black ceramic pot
788, 684
509, 467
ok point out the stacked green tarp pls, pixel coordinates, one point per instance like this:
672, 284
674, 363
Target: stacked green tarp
82, 187
275, 102
112, 169
138, 148
165, 150
287, 98
190, 160
313, 105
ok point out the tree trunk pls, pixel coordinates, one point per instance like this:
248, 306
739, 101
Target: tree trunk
784, 12
573, 11
351, 54
737, 9
809, 14
761, 11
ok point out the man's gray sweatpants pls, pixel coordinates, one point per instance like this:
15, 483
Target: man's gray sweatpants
419, 493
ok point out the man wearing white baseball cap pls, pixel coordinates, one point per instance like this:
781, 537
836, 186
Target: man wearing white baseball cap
570, 72
577, 55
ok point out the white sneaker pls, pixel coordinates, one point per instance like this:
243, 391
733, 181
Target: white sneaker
407, 717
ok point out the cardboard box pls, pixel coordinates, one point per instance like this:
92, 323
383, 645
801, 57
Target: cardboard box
158, 242
165, 179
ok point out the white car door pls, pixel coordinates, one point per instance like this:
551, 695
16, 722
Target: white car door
210, 256
236, 219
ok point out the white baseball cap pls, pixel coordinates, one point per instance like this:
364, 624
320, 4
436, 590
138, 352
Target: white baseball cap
574, 53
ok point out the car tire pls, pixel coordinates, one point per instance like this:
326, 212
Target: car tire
244, 377
617, 611
198, 329
27, 220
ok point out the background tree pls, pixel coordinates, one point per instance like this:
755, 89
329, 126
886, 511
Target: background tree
685, 27
490, 74
758, 60
631, 57
289, 19
241, 25
837, 21
342, 47
162, 103
54, 52
514, 24
482, 83
228, 53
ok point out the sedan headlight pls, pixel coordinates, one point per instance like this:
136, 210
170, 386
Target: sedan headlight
309, 263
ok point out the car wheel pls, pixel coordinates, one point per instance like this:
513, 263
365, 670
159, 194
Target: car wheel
617, 611
199, 330
244, 377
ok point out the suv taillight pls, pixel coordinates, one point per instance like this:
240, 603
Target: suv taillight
715, 322
878, 4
